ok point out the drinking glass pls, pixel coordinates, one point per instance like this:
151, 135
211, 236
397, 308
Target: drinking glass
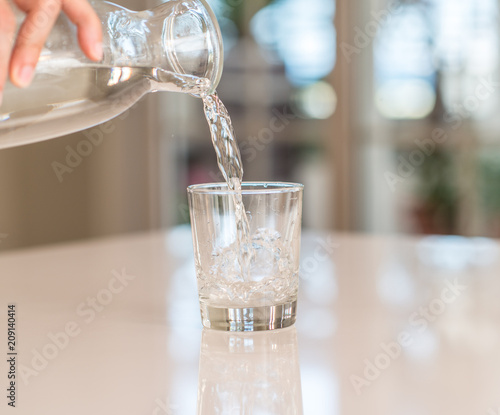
247, 272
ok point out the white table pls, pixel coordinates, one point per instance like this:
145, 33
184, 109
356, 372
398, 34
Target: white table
112, 326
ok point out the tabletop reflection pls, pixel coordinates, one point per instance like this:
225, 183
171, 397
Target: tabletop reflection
249, 373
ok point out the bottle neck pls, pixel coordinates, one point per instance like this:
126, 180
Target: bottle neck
176, 40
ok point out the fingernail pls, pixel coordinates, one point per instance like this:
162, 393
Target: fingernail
24, 76
98, 52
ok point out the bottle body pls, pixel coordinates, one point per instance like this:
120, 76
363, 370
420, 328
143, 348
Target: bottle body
174, 47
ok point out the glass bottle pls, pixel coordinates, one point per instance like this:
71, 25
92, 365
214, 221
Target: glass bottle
176, 46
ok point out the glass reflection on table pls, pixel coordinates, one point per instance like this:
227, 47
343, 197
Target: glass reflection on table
249, 373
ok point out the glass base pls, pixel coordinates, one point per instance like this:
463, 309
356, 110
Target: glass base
249, 319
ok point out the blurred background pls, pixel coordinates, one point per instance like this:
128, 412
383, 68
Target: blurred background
386, 111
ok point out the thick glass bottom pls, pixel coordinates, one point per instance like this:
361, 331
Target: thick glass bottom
248, 319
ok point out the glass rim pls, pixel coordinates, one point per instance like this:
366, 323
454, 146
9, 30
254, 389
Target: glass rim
247, 188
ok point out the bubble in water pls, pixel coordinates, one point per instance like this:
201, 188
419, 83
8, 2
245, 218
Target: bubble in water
271, 275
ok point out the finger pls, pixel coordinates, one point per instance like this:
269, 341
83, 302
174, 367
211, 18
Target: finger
7, 29
81, 13
30, 40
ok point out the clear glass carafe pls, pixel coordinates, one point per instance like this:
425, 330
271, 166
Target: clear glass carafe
176, 46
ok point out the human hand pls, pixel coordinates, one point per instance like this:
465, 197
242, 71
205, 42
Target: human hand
19, 54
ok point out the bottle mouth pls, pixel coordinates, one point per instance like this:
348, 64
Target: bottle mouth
196, 38
218, 47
